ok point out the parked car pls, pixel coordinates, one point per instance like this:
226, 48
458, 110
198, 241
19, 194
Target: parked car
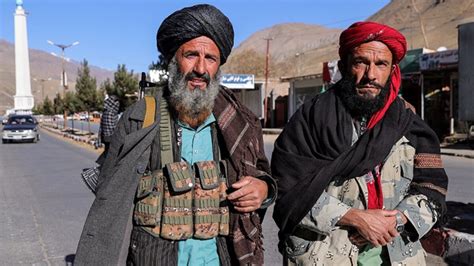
20, 128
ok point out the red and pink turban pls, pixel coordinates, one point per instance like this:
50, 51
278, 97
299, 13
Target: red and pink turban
363, 32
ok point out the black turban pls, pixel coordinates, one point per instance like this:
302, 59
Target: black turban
192, 22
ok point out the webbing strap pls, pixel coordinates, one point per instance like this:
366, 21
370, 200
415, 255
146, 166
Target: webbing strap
166, 151
181, 174
142, 208
210, 173
150, 105
177, 202
206, 203
177, 219
224, 219
204, 219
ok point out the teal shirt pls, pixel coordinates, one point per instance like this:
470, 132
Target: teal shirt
197, 146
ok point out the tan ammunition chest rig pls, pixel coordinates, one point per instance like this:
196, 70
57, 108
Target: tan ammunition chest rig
180, 200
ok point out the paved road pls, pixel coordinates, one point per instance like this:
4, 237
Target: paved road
461, 178
43, 202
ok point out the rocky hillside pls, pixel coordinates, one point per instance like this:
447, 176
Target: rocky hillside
290, 46
295, 49
42, 66
427, 23
298, 49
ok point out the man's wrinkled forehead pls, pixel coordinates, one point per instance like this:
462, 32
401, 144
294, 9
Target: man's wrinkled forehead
200, 43
378, 50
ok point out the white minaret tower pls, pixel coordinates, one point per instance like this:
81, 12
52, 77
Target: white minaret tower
23, 98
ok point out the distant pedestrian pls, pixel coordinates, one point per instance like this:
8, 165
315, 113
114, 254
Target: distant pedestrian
109, 119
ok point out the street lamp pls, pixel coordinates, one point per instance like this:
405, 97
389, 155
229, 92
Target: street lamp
63, 47
42, 86
63, 73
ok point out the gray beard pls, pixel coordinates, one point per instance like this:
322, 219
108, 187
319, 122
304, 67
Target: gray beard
195, 102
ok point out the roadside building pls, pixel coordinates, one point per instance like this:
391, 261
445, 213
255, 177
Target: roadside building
439, 87
411, 77
251, 92
305, 87
302, 89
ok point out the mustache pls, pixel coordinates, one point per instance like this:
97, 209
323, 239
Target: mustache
371, 83
193, 75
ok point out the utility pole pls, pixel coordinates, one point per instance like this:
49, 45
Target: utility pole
421, 23
265, 105
63, 71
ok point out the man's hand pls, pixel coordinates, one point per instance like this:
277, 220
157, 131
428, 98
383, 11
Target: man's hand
249, 194
376, 226
358, 240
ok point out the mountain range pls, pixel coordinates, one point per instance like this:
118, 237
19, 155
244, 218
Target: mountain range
299, 49
43, 66
295, 48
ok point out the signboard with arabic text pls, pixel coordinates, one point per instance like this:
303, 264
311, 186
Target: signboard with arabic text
439, 60
238, 81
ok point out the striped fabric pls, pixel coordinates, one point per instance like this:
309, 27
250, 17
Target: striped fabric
146, 250
428, 160
240, 128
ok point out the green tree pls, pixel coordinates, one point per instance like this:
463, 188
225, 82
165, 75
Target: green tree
86, 91
58, 105
160, 68
159, 65
107, 87
37, 109
100, 100
71, 103
48, 108
125, 86
86, 88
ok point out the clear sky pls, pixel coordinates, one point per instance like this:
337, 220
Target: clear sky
113, 32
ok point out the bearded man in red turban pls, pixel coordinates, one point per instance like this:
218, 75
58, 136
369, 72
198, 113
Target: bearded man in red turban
360, 179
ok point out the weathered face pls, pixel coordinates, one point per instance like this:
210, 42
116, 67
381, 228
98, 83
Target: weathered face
198, 60
370, 64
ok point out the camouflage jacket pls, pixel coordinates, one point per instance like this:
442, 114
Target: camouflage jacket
318, 240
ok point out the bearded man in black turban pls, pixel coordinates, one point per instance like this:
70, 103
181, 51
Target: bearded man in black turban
188, 182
